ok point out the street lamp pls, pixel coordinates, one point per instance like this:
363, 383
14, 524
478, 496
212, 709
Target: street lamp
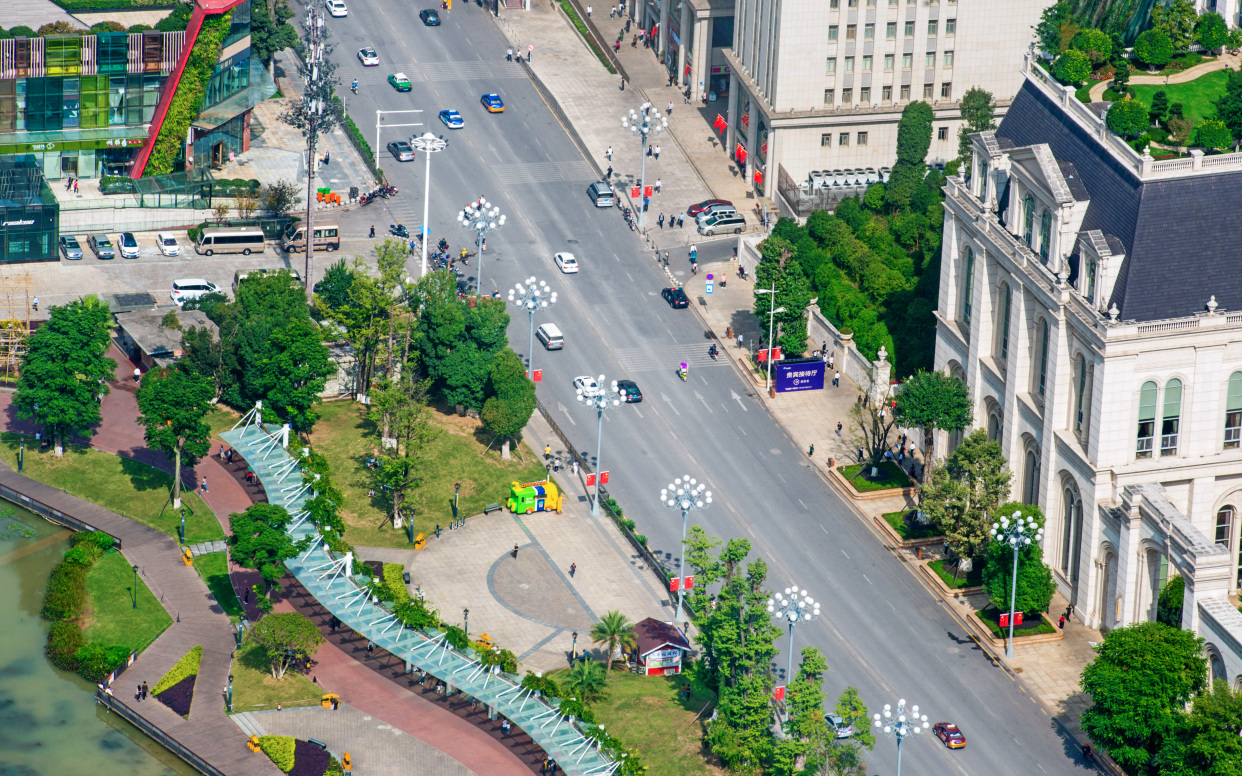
644, 124
600, 401
483, 217
573, 652
901, 725
686, 494
183, 525
230, 693
532, 296
135, 586
465, 615
797, 607
1017, 533
428, 143
772, 311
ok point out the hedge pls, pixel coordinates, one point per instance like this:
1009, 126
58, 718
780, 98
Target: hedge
66, 592
186, 666
280, 749
363, 147
587, 36
63, 603
170, 143
64, 641
95, 661
394, 583
114, 5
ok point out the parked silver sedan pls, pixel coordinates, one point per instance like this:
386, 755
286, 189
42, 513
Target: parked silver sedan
69, 247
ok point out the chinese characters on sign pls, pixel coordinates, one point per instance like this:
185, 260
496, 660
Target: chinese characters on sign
798, 374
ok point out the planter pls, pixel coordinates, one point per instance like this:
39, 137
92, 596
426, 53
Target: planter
944, 590
984, 633
844, 483
891, 535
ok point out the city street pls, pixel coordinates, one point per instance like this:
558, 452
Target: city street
880, 630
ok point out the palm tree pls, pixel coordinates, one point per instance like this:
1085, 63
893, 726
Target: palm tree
614, 630
586, 681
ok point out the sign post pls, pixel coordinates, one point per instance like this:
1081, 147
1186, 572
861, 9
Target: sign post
710, 283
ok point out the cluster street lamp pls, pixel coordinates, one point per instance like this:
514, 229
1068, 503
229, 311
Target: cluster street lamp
600, 401
645, 123
901, 725
532, 296
135, 586
797, 607
428, 143
1017, 532
686, 494
772, 311
483, 217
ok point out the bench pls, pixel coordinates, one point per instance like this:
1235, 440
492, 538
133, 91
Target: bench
318, 743
490, 508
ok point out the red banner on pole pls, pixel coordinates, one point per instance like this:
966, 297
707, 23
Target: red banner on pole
590, 480
758, 178
537, 376
689, 583
719, 124
648, 191
740, 153
1004, 620
780, 693
674, 584
634, 192
1017, 619
603, 478
763, 354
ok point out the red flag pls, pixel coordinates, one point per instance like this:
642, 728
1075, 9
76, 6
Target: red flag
740, 153
758, 178
648, 191
634, 192
537, 376
719, 124
689, 583
1004, 620
746, 119
674, 584
603, 478
780, 693
590, 480
1017, 618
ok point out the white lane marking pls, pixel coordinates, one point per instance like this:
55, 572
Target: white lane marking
843, 552
639, 413
869, 582
733, 395
565, 410
804, 506
669, 402
825, 530
699, 396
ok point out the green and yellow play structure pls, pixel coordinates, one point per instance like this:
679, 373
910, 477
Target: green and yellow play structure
528, 497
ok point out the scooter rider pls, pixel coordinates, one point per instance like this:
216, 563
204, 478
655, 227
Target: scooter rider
354, 86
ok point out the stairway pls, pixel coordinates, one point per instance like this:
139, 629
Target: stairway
514, 5
246, 721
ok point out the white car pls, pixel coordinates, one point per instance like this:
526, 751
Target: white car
367, 56
566, 262
191, 288
586, 385
336, 7
167, 243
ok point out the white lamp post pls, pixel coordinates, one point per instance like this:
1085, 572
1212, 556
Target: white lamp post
686, 494
483, 217
772, 311
900, 724
532, 297
794, 606
600, 401
428, 144
1017, 532
645, 123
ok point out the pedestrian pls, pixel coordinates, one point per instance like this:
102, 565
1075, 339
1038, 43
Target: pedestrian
657, 152
36, 304
739, 339
1061, 622
681, 221
810, 453
860, 455
515, 551
509, 55
370, 648
831, 359
686, 96
622, 77
575, 467
137, 374
223, 451
838, 428
650, 150
146, 690
634, 42
836, 379
612, 12
588, 11
68, 183
573, 568
661, 220
694, 252
646, 203
547, 452
627, 25
138, 694
608, 154
247, 597
669, 109
608, 175
659, 185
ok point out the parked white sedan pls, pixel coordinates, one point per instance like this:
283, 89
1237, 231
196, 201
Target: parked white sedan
336, 7
167, 243
567, 263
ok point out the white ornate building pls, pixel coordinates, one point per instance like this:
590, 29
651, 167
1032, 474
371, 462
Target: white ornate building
1091, 298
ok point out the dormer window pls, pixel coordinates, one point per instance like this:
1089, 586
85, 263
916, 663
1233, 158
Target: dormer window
1028, 232
983, 181
1089, 281
1045, 236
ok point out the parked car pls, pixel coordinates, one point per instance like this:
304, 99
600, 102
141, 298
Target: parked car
191, 288
167, 243
676, 297
401, 150
730, 222
399, 82
430, 17
336, 7
629, 391
719, 209
885, 172
452, 119
69, 247
493, 103
694, 210
129, 246
368, 57
601, 194
566, 262
949, 734
101, 246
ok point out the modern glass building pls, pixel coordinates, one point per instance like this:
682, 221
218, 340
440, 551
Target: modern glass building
29, 213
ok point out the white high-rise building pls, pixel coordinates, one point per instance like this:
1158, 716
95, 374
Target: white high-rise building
820, 84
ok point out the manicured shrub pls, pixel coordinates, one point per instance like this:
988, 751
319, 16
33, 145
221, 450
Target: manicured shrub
280, 749
66, 592
107, 27
309, 760
63, 642
95, 661
186, 666
415, 614
394, 583
176, 21
22, 31
179, 696
97, 538
139, 28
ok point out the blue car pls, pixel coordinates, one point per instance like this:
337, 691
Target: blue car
493, 103
452, 119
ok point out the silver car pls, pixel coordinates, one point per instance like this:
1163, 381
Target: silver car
69, 247
102, 246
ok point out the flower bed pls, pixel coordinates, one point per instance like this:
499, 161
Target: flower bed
309, 760
179, 696
905, 526
1036, 625
280, 749
186, 666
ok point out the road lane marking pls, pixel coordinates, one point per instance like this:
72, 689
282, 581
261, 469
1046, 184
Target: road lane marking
778, 474
699, 396
733, 395
843, 552
749, 531
825, 530
724, 406
565, 410
869, 582
804, 506
669, 402
638, 413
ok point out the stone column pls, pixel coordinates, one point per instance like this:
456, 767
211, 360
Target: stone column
687, 35
731, 114
662, 30
881, 371
1129, 560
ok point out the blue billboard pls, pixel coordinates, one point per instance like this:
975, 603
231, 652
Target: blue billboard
800, 374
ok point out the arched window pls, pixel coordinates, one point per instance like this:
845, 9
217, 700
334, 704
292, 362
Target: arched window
1089, 281
1071, 532
1045, 236
993, 427
983, 181
1028, 205
1006, 309
1233, 412
1172, 415
968, 282
1031, 494
1080, 398
1041, 383
1146, 420
1224, 525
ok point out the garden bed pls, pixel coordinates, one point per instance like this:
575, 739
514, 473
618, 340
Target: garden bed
904, 525
309, 760
179, 696
986, 625
892, 481
944, 569
255, 689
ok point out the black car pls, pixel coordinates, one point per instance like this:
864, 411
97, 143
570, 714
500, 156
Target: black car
676, 297
429, 17
629, 391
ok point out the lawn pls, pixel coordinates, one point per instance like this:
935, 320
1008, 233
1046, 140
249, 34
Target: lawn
110, 617
255, 688
129, 488
945, 569
891, 476
347, 439
903, 523
214, 569
1031, 626
221, 418
1197, 97
647, 715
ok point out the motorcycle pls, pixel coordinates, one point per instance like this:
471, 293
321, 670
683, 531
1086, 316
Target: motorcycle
399, 230
365, 199
683, 371
713, 352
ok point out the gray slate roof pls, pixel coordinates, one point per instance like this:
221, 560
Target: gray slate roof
1180, 236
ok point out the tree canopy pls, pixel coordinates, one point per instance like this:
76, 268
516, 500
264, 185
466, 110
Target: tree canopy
1206, 742
1072, 67
1127, 117
1154, 48
285, 638
964, 493
793, 292
1177, 19
173, 404
1094, 43
1213, 135
1035, 584
512, 398
1211, 31
259, 540
978, 115
934, 401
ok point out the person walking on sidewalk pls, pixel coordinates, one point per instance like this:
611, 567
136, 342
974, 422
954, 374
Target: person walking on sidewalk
658, 185
661, 221
622, 77
204, 484
608, 154
657, 152
573, 569
669, 109
515, 551
509, 55
836, 379
588, 12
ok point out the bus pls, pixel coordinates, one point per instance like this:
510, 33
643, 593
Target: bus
327, 237
242, 239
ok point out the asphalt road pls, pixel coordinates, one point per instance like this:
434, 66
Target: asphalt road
880, 629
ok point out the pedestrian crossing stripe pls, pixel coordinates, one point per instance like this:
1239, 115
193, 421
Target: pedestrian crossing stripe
654, 359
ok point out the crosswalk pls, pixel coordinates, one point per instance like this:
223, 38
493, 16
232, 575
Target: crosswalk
658, 357
544, 172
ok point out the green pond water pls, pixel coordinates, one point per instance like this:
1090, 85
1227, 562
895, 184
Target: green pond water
50, 723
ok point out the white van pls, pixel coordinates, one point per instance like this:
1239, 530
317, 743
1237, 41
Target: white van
550, 336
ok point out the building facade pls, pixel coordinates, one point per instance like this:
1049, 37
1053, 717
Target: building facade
820, 84
1089, 299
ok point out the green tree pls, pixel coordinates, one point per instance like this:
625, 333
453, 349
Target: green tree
964, 494
1159, 107
845, 755
1127, 117
279, 198
173, 404
933, 401
402, 404
1206, 742
1229, 105
914, 132
1154, 48
65, 373
204, 355
805, 747
1094, 43
871, 428
793, 292
1035, 585
1213, 135
285, 638
1072, 67
1211, 31
1142, 677
1121, 78
259, 540
511, 399
586, 680
333, 290
457, 342
978, 110
1169, 604
615, 631
1057, 26
270, 30
1177, 20
296, 374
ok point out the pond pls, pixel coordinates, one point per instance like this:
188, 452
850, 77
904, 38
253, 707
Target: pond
49, 721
